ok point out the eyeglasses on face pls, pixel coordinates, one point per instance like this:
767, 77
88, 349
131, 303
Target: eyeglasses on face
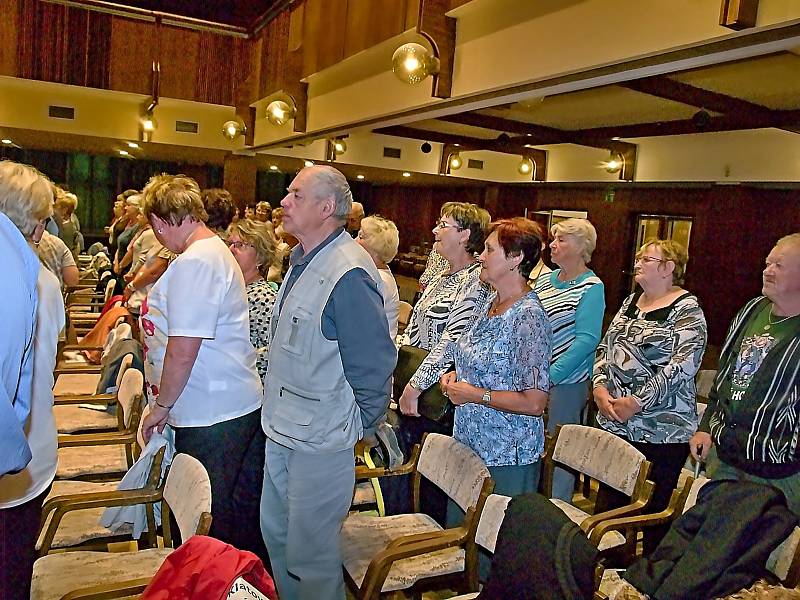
649, 259
239, 245
446, 225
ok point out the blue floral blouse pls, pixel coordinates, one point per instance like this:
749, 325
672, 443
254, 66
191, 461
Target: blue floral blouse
508, 352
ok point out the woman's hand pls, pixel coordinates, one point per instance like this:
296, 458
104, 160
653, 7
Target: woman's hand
460, 392
156, 419
409, 401
603, 401
625, 407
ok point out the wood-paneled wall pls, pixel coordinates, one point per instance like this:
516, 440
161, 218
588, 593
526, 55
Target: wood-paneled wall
733, 230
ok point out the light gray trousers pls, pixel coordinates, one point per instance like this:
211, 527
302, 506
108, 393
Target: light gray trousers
304, 501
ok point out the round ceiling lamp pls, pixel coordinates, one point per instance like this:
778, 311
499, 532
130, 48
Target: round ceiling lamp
456, 162
614, 163
525, 166
413, 63
233, 129
280, 112
339, 146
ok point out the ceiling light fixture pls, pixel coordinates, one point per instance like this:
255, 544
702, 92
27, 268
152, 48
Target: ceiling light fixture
339, 146
280, 112
149, 125
273, 167
133, 145
615, 162
413, 62
308, 163
359, 176
233, 129
526, 166
455, 161
406, 174
6, 141
124, 153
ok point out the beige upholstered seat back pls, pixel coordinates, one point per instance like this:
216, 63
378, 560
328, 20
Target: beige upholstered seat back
187, 492
691, 499
491, 518
599, 454
125, 364
130, 391
454, 468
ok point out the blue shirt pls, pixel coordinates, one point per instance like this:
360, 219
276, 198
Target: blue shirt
19, 270
354, 317
508, 352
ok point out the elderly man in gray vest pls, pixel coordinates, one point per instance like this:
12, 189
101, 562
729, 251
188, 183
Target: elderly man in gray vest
330, 363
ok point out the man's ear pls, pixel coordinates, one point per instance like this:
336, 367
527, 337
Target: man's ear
328, 207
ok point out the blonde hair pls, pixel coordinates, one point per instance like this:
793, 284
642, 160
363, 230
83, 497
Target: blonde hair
26, 196
64, 200
173, 198
792, 239
670, 251
259, 236
381, 236
582, 230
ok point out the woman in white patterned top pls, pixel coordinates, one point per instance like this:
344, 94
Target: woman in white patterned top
253, 247
645, 367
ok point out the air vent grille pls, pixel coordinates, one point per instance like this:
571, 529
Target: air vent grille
473, 163
61, 112
391, 152
186, 126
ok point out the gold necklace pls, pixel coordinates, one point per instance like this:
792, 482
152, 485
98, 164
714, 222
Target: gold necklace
770, 322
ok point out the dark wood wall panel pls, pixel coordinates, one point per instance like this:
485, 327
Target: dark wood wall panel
274, 51
180, 63
133, 48
324, 31
9, 23
370, 22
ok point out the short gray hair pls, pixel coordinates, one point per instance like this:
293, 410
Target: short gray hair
331, 182
26, 196
381, 236
792, 238
582, 230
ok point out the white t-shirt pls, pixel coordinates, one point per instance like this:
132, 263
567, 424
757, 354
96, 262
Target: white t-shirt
391, 299
41, 430
202, 295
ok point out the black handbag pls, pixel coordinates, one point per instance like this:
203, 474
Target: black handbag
433, 404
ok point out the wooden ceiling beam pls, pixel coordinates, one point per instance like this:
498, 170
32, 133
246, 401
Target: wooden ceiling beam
540, 133
677, 91
462, 142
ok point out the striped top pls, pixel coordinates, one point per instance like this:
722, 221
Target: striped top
446, 307
575, 309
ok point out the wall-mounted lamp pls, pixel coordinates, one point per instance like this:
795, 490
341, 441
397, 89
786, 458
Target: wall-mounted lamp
615, 162
413, 63
280, 112
455, 161
148, 126
233, 129
339, 146
527, 167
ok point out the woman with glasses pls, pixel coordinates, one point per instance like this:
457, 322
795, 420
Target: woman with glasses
445, 308
253, 247
574, 299
644, 371
200, 367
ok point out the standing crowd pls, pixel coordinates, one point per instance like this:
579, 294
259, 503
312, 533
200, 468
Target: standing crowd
270, 343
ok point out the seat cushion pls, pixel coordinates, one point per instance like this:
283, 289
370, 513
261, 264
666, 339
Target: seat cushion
91, 460
616, 588
612, 539
81, 526
364, 494
57, 574
363, 537
64, 487
69, 384
71, 418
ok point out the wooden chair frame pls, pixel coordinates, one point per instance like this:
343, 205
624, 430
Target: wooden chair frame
415, 544
148, 495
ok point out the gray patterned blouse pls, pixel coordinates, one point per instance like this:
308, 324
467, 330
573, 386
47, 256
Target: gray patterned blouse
654, 357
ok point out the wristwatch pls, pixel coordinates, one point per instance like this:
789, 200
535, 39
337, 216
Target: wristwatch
487, 397
131, 287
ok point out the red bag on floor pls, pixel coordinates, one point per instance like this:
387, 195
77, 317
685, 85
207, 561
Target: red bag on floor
204, 568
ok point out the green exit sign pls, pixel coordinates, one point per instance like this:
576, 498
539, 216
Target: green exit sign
609, 197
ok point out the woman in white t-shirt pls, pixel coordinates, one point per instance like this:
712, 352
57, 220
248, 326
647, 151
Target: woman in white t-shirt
200, 367
379, 237
22, 493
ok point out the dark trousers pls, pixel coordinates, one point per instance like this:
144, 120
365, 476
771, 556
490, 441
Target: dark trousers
397, 490
18, 528
666, 460
233, 454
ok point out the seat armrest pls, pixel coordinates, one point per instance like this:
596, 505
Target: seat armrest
106, 591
